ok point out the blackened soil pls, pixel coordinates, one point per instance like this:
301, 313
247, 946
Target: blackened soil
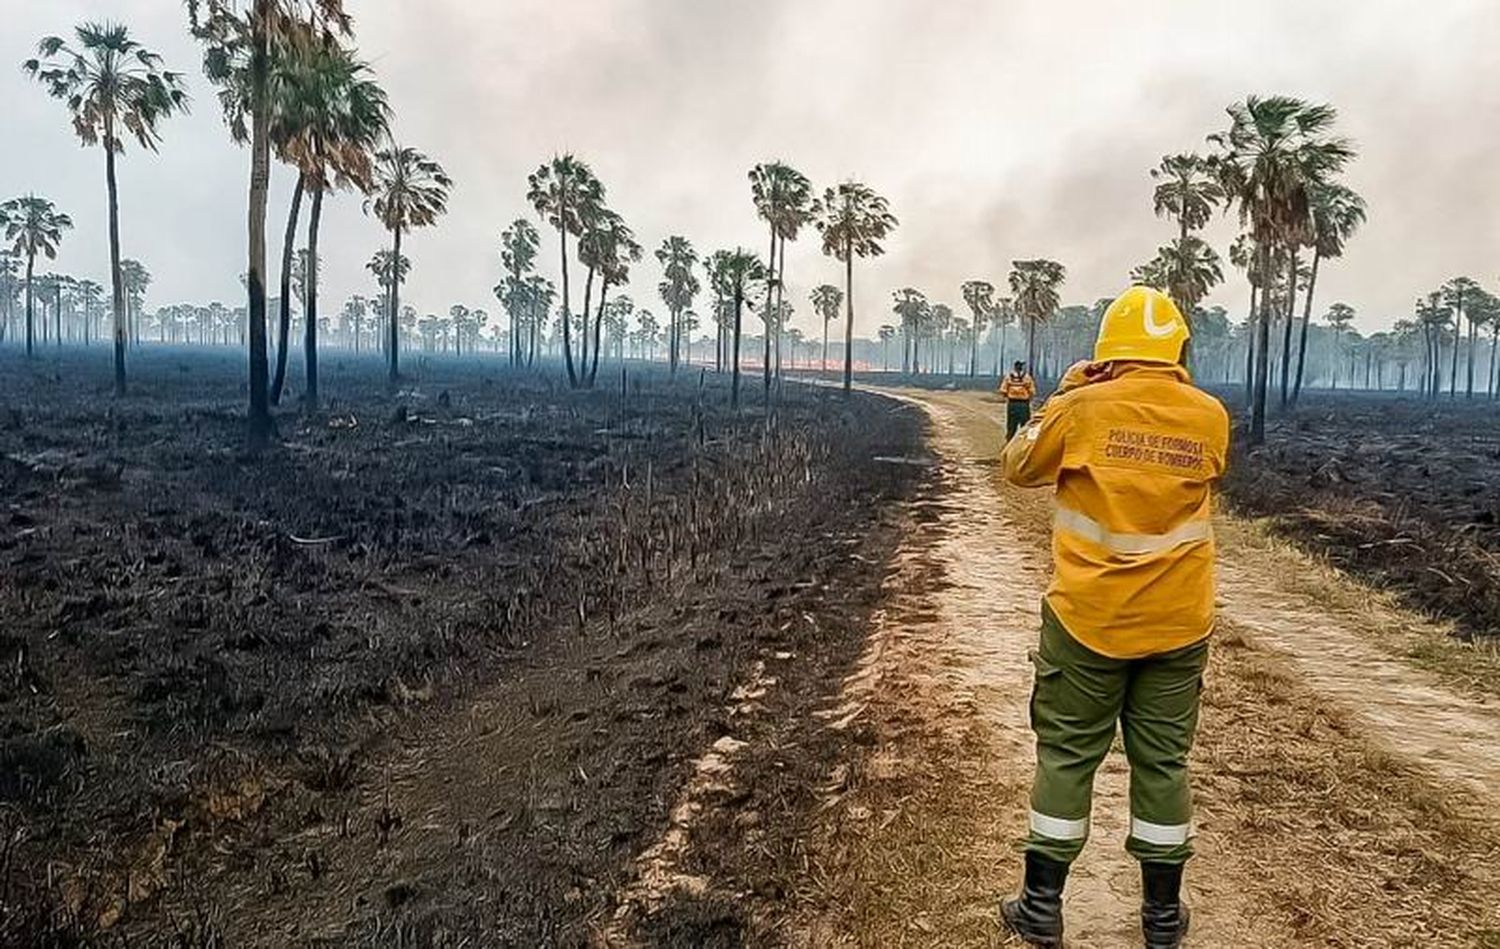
1401, 492
433, 664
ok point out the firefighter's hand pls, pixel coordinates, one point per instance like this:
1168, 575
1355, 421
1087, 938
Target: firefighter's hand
1083, 373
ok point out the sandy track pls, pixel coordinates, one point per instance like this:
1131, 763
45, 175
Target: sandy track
1344, 796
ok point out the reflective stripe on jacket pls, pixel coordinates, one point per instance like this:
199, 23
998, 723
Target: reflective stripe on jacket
1018, 390
1134, 458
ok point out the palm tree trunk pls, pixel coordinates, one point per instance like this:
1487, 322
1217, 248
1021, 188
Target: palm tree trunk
1286, 338
848, 316
734, 389
1458, 335
284, 326
825, 344
260, 181
780, 315
1250, 347
567, 327
393, 334
1312, 285
1262, 363
310, 335
1494, 367
598, 330
1031, 343
583, 342
30, 302
770, 310
117, 286
1473, 343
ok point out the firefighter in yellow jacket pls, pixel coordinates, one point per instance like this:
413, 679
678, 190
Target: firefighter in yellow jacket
1017, 389
1133, 450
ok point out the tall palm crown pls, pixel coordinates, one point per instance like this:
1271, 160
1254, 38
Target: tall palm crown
783, 198
1276, 151
387, 273
979, 296
911, 305
1035, 284
1189, 269
826, 300
679, 285
112, 84
332, 116
1340, 315
563, 191
246, 43
1187, 189
33, 226
518, 247
409, 189
1337, 212
854, 220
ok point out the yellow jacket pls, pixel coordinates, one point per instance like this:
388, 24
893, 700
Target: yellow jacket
1018, 390
1134, 457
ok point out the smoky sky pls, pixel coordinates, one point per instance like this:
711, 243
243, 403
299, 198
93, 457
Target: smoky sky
998, 129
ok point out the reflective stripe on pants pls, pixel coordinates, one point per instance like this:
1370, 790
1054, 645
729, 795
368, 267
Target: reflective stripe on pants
1077, 699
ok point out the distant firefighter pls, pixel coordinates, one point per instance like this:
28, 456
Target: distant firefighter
1134, 450
1018, 389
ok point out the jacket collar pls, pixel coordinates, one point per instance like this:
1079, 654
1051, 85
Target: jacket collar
1157, 370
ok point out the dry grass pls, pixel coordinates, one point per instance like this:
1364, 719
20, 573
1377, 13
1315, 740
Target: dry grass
1342, 844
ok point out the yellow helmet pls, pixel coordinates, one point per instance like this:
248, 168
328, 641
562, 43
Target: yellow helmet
1143, 324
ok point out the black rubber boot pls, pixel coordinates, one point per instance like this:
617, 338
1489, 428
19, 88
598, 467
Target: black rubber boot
1164, 918
1036, 915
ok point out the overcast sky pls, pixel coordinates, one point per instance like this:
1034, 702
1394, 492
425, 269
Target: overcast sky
998, 129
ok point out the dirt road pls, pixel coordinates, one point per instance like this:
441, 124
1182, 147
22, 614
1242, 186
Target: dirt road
1344, 798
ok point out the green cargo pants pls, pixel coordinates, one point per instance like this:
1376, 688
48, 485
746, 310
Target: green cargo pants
1078, 697
1017, 414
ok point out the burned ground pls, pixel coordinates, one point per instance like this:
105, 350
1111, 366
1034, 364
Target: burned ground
228, 683
1402, 493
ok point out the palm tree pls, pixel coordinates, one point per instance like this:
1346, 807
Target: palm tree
1274, 153
735, 274
679, 287
518, 247
853, 220
911, 305
783, 198
1188, 189
32, 226
564, 191
1190, 268
1035, 284
1484, 310
335, 118
10, 285
1456, 294
136, 279
1340, 316
1337, 212
90, 295
114, 88
410, 191
618, 250
239, 36
979, 295
886, 333
826, 301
